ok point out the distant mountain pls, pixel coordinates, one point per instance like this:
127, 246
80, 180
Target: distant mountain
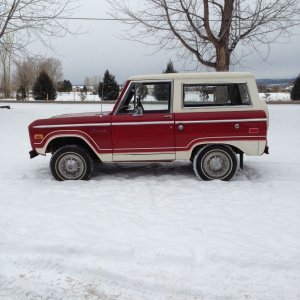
281, 82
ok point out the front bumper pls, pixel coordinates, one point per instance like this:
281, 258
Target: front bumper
33, 154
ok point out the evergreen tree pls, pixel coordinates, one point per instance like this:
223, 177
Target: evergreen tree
69, 86
295, 93
161, 91
64, 86
170, 68
43, 88
83, 93
143, 91
21, 93
84, 89
109, 88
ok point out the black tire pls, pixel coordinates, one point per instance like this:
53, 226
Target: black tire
215, 162
71, 163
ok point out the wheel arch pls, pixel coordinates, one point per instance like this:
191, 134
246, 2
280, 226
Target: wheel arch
200, 146
60, 141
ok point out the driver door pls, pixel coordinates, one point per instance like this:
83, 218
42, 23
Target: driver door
143, 125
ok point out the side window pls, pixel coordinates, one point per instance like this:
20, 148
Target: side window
198, 95
146, 97
245, 98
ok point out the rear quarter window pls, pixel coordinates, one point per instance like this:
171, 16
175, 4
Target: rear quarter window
199, 95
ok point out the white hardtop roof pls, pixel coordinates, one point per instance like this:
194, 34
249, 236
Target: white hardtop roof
200, 75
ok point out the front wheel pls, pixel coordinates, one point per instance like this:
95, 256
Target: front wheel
71, 163
215, 162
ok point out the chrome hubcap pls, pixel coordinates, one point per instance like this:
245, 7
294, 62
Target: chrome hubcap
71, 166
216, 164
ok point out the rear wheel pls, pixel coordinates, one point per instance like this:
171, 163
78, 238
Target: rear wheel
71, 163
215, 162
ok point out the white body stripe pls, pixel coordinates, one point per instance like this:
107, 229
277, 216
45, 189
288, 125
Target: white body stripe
150, 123
73, 125
221, 121
142, 123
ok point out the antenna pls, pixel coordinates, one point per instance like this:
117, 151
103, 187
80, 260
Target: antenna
102, 96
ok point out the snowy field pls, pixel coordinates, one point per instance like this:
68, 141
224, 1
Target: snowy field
75, 96
149, 232
275, 96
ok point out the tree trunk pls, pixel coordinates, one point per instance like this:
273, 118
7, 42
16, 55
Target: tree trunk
6, 79
223, 59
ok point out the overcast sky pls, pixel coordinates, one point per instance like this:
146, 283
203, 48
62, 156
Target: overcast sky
100, 48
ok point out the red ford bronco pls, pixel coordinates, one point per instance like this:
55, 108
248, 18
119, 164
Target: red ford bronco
207, 118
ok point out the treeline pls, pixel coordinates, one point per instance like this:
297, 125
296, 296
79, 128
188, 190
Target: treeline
20, 76
42, 79
291, 86
45, 89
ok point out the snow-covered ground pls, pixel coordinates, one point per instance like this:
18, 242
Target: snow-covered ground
150, 231
275, 96
75, 96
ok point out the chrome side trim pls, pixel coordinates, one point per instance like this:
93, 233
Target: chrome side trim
142, 123
221, 121
148, 123
73, 125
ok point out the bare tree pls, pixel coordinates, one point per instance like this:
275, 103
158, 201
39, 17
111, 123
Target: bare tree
25, 74
93, 81
31, 20
208, 30
27, 71
53, 67
5, 63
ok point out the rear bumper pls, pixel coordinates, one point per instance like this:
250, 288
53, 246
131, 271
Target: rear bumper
33, 154
266, 149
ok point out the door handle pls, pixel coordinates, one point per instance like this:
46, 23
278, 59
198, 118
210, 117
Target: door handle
168, 116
